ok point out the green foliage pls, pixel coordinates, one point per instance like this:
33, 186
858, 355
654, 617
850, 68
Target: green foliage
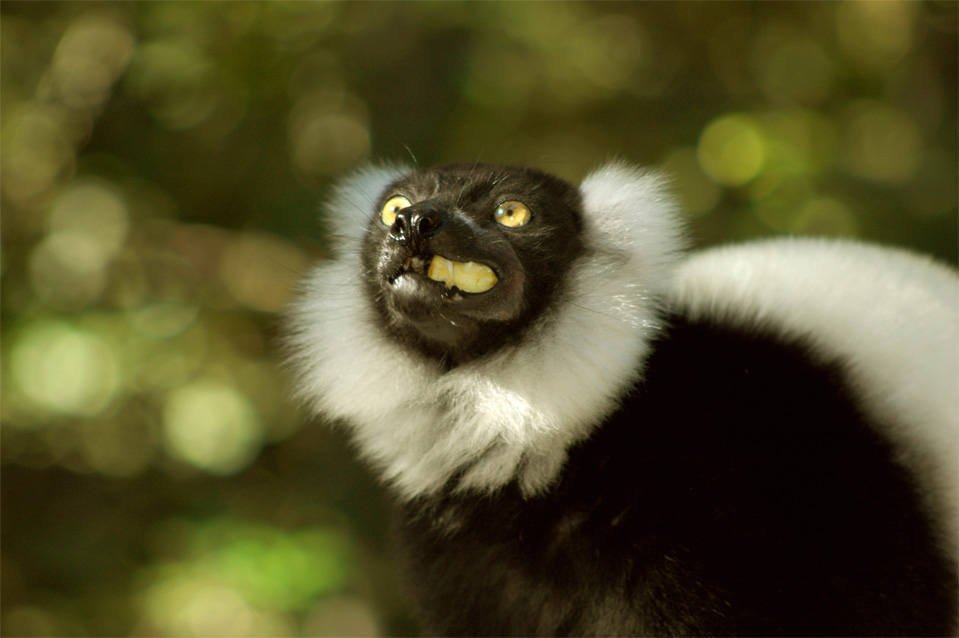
161, 167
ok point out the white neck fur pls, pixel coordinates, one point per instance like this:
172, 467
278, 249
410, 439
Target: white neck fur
512, 414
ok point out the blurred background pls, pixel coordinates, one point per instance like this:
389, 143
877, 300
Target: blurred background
162, 167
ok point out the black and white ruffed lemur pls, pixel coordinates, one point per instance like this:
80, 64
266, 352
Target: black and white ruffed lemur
589, 433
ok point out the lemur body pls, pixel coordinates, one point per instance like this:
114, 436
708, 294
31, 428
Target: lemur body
590, 434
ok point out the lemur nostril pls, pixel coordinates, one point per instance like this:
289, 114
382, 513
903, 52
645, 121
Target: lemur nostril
427, 225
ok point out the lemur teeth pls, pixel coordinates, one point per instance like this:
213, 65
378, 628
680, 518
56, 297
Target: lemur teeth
468, 276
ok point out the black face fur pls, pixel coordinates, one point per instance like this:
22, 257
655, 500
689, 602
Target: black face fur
452, 213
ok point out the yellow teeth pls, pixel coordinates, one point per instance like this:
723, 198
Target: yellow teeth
468, 276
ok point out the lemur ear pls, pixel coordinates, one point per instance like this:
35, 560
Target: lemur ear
633, 211
352, 202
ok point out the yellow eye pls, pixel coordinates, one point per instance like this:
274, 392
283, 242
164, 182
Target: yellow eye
512, 214
392, 206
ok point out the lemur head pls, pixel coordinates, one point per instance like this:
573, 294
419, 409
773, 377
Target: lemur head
477, 320
461, 259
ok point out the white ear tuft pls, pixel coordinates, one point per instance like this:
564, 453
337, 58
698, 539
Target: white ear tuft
353, 201
632, 210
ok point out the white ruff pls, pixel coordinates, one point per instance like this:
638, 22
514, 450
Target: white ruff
512, 414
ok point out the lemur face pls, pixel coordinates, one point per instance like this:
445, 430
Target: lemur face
462, 259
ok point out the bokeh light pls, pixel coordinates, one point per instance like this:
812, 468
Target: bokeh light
876, 34
92, 54
731, 150
87, 228
211, 425
62, 369
37, 151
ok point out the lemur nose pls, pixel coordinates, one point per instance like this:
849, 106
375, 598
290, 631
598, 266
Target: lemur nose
417, 222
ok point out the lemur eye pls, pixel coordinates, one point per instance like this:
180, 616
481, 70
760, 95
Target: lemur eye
512, 214
392, 206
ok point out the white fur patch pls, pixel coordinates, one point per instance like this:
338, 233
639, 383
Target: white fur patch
512, 414
891, 315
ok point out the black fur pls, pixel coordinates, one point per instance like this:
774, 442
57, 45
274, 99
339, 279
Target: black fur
739, 490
